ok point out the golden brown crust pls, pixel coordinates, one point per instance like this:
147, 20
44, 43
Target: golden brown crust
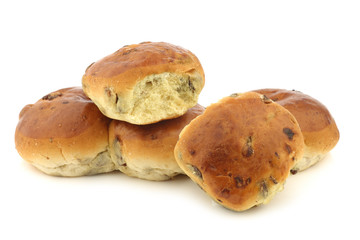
61, 114
125, 67
240, 151
140, 60
318, 126
145, 148
63, 127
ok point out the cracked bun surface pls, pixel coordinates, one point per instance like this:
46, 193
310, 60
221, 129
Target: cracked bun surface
145, 83
240, 150
147, 151
317, 125
64, 134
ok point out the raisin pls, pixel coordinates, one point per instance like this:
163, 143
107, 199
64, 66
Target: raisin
289, 133
264, 189
52, 96
191, 86
248, 150
108, 91
273, 180
288, 148
265, 99
195, 171
241, 182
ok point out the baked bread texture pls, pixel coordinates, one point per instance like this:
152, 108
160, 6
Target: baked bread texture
145, 83
147, 151
240, 150
64, 134
317, 125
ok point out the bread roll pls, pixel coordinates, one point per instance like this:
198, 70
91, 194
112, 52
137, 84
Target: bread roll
317, 125
147, 151
240, 150
64, 134
145, 83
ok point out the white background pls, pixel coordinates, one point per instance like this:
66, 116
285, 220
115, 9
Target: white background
311, 46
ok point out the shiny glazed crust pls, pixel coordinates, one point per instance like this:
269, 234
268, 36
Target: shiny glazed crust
147, 151
122, 83
317, 125
240, 150
64, 134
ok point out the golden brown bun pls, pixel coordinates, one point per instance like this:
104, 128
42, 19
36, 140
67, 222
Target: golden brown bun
147, 151
240, 150
145, 83
64, 134
317, 125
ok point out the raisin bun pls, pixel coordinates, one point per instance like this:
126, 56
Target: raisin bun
145, 83
64, 134
147, 151
240, 150
317, 125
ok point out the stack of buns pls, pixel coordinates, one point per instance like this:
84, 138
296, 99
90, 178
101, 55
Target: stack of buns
137, 113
